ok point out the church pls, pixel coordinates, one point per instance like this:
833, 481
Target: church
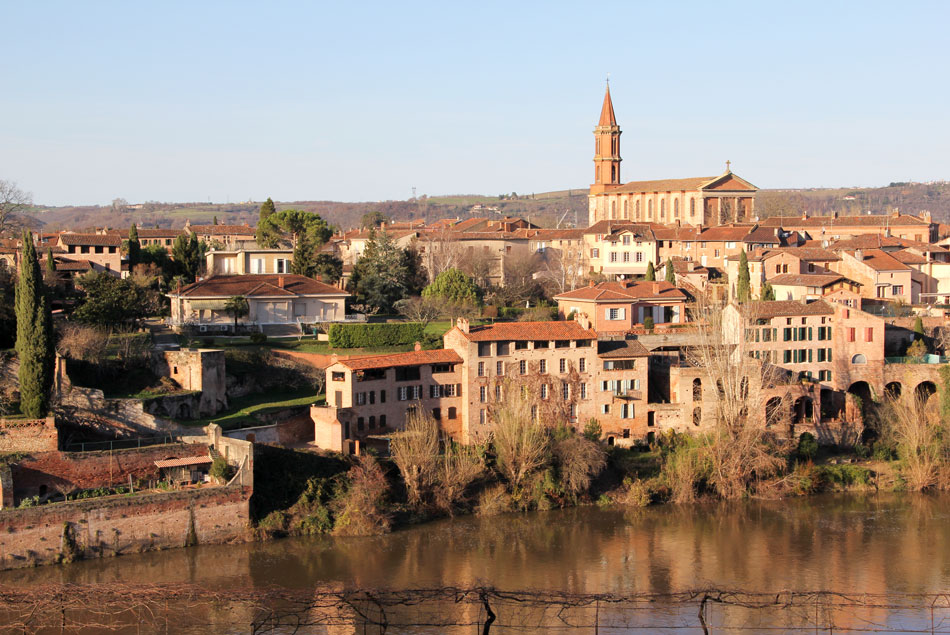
702, 201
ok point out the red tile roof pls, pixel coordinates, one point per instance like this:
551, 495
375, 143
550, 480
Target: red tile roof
730, 233
806, 279
98, 240
625, 291
841, 222
788, 308
183, 462
908, 257
666, 185
412, 358
257, 285
569, 330
880, 260
621, 348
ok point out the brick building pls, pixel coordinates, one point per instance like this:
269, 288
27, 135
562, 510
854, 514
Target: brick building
620, 306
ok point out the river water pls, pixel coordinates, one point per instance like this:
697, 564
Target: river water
878, 549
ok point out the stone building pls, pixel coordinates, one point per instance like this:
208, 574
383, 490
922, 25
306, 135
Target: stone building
620, 306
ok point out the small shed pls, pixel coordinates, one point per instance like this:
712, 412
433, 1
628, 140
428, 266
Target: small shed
190, 469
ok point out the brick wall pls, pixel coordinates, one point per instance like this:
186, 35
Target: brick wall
88, 470
28, 435
119, 525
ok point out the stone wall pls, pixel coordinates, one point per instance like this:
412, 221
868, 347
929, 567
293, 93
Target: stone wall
298, 429
129, 415
123, 524
200, 370
28, 435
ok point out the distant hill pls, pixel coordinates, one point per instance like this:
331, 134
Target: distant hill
547, 209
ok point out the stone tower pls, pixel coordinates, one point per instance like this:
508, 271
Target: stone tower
606, 148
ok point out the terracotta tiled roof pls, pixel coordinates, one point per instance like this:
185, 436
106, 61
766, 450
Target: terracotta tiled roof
468, 223
97, 240
787, 308
908, 257
666, 185
730, 233
568, 330
866, 241
73, 265
223, 230
829, 222
621, 348
184, 462
365, 234
624, 291
805, 279
685, 267
762, 235
559, 234
608, 226
808, 254
256, 285
412, 358
671, 232
607, 117
880, 260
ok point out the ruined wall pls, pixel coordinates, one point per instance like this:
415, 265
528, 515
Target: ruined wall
298, 429
201, 370
51, 472
129, 415
118, 524
28, 435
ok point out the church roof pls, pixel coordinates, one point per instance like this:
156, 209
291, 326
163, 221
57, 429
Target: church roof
607, 117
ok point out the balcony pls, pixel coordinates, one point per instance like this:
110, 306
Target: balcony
628, 395
925, 359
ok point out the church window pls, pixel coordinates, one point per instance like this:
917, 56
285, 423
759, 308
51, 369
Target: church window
636, 209
625, 211
676, 208
663, 209
613, 209
692, 207
649, 209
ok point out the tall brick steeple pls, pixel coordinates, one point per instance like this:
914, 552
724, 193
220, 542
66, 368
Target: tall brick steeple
607, 145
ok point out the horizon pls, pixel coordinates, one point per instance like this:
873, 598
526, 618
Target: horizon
233, 102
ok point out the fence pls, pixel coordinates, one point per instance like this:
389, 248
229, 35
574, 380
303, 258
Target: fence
479, 610
120, 444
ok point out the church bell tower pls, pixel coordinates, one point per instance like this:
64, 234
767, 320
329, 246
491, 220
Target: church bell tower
606, 147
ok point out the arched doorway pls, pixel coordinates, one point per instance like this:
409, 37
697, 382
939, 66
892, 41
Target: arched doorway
803, 410
893, 390
697, 389
925, 390
828, 407
697, 416
773, 413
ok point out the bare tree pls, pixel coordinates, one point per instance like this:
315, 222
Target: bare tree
420, 309
13, 202
441, 251
919, 434
415, 451
564, 269
518, 436
480, 265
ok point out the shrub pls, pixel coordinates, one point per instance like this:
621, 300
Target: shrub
579, 460
635, 493
539, 314
373, 335
592, 430
882, 451
220, 469
807, 445
258, 338
648, 323
361, 510
493, 500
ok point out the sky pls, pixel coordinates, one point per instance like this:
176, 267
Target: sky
362, 101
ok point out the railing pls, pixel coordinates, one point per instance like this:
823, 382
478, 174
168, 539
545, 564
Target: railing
628, 394
925, 359
120, 444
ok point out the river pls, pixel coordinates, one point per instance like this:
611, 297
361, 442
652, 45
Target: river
888, 546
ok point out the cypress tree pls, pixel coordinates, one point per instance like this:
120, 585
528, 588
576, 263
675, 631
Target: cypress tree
670, 274
919, 332
34, 341
768, 293
134, 247
267, 208
50, 262
743, 285
651, 272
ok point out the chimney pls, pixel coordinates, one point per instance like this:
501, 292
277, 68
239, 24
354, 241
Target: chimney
417, 346
590, 283
656, 288
804, 215
462, 324
319, 277
280, 281
859, 255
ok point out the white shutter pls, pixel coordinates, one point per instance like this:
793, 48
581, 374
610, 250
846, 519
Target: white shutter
606, 314
623, 314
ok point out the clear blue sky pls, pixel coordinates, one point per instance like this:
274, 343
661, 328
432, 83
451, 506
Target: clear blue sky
185, 101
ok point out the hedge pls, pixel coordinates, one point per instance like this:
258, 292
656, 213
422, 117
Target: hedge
371, 335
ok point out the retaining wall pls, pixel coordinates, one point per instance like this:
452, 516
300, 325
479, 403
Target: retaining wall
28, 435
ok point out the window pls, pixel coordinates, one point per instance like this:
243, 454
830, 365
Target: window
565, 391
676, 208
582, 365
869, 334
716, 253
616, 314
502, 348
408, 373
403, 393
613, 256
521, 346
499, 368
338, 376
483, 394
562, 366
692, 207
451, 413
859, 359
730, 245
359, 423
626, 239
543, 366
484, 349
595, 253
497, 392
522, 367
544, 391
542, 344
851, 334
787, 356
534, 413
482, 418
583, 391
626, 256
361, 399
382, 397
442, 368
639, 256
435, 391
626, 411
897, 289
283, 265
605, 409
572, 412
787, 335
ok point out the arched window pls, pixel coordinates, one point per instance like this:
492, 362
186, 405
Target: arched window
663, 208
697, 389
676, 208
692, 208
636, 209
613, 210
650, 209
626, 212
859, 359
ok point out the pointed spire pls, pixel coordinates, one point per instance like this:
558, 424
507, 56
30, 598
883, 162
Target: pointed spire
607, 117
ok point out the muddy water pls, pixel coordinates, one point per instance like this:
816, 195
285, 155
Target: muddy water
886, 545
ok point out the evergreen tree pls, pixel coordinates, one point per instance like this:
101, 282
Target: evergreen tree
768, 293
188, 255
455, 286
215, 221
328, 267
267, 208
50, 263
670, 272
919, 332
743, 290
381, 276
301, 225
651, 272
133, 247
34, 341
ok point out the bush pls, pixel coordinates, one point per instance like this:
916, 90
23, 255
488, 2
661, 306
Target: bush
361, 510
882, 451
373, 335
807, 445
648, 323
258, 338
220, 469
510, 312
539, 314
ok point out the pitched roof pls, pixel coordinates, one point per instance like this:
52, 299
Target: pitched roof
257, 285
624, 291
607, 117
608, 226
556, 234
98, 240
665, 185
880, 260
222, 230
412, 358
621, 348
685, 233
867, 220
568, 330
783, 308
806, 279
808, 254
908, 257
184, 462
731, 233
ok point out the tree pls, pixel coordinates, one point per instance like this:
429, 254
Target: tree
651, 272
112, 301
381, 276
442, 251
455, 286
133, 248
7, 303
419, 309
670, 272
13, 202
267, 208
743, 286
564, 269
301, 225
919, 333
188, 254
237, 307
520, 285
328, 267
767, 294
34, 342
372, 220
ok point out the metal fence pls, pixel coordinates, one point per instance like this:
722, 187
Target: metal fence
120, 444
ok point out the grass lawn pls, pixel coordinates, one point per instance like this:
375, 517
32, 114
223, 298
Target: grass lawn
242, 410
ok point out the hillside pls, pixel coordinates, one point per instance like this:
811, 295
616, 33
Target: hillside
545, 209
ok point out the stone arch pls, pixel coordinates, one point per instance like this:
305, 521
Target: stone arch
773, 411
610, 441
803, 409
697, 416
893, 390
925, 390
859, 359
697, 389
613, 210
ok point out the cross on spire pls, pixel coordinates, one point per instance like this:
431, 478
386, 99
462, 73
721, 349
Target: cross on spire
728, 165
